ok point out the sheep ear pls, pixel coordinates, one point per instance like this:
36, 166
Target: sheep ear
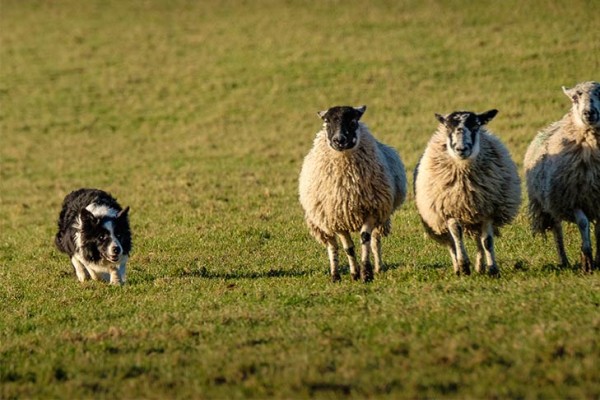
321, 114
361, 110
487, 116
440, 118
569, 92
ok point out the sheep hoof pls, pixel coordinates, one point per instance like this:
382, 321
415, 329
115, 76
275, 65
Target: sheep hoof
480, 268
355, 276
366, 272
494, 271
587, 264
336, 277
465, 269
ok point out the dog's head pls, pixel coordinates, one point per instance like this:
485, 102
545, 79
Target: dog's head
104, 238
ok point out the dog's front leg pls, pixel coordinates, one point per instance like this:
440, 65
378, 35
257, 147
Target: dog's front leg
79, 269
115, 277
93, 274
122, 276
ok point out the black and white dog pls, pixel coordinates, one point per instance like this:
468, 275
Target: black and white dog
93, 230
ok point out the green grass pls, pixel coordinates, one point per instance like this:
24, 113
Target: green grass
197, 115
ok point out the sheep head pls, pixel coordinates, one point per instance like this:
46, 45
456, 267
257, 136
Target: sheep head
585, 97
462, 129
341, 125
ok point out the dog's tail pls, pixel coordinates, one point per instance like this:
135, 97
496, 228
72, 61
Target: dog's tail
59, 243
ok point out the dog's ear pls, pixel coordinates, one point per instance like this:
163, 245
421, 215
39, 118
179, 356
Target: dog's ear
123, 213
87, 218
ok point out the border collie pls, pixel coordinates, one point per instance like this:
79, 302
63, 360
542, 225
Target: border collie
93, 230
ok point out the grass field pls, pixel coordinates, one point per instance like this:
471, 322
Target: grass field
198, 115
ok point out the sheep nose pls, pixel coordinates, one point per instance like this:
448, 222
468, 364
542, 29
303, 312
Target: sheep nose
463, 151
590, 115
340, 140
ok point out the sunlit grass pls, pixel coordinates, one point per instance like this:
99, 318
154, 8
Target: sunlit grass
198, 115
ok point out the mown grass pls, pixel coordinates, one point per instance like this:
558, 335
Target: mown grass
198, 115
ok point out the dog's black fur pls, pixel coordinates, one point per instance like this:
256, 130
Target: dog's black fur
93, 229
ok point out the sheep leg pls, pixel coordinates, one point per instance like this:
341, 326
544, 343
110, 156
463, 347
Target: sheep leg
462, 260
557, 232
366, 269
452, 250
583, 224
349, 249
332, 251
597, 244
480, 263
376, 249
487, 242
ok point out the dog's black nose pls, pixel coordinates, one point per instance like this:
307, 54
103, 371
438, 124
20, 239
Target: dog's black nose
115, 249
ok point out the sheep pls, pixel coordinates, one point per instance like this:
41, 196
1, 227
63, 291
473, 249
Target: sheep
350, 182
466, 182
562, 171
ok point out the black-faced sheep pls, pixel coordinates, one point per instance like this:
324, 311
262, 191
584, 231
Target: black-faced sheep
350, 182
466, 182
562, 168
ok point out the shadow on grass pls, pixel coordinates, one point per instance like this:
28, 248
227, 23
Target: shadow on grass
518, 266
559, 268
390, 267
202, 272
521, 266
556, 268
434, 266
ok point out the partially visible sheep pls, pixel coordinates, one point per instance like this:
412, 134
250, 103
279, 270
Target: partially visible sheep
466, 182
562, 168
350, 182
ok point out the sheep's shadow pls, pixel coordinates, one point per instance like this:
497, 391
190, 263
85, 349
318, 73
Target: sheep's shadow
435, 265
238, 274
390, 267
344, 269
558, 268
518, 265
